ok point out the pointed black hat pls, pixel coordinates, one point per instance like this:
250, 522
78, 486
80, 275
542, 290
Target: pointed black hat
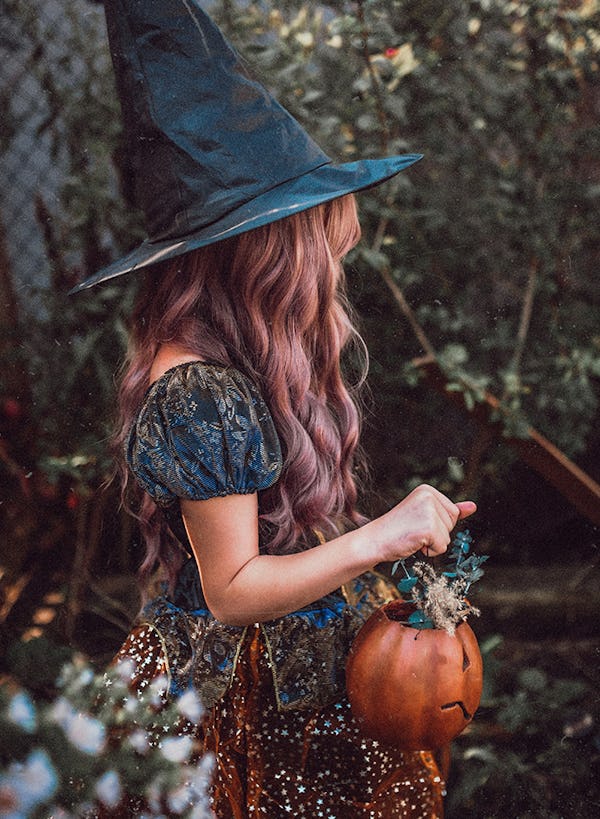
213, 153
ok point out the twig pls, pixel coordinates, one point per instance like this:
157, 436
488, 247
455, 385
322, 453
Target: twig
525, 318
381, 115
395, 290
408, 312
577, 580
89, 530
383, 222
14, 469
481, 442
99, 611
104, 597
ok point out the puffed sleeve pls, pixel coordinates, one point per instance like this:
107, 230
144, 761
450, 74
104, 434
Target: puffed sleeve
203, 431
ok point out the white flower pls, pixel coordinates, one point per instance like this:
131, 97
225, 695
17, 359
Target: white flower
139, 741
131, 705
84, 678
125, 669
21, 711
86, 733
177, 749
27, 784
62, 712
305, 38
180, 799
40, 776
189, 706
108, 789
153, 797
158, 689
201, 773
404, 60
474, 26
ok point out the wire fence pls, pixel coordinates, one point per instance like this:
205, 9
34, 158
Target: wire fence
42, 74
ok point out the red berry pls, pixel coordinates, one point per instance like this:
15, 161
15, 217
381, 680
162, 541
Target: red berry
11, 408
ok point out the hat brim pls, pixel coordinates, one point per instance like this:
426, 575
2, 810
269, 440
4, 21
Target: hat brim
321, 185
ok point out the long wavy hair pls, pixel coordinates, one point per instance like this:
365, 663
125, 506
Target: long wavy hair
270, 302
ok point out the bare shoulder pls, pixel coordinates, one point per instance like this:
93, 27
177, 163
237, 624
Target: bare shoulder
168, 356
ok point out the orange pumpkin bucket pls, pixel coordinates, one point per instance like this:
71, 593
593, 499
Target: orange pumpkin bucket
416, 689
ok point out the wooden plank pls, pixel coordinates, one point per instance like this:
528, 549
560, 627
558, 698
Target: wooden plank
535, 450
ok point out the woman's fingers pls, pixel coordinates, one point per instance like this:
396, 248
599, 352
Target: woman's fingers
444, 515
450, 512
465, 509
423, 521
438, 541
455, 511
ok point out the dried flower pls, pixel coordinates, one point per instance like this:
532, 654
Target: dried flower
442, 603
440, 599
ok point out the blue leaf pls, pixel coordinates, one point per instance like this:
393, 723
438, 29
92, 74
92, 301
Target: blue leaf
407, 583
418, 620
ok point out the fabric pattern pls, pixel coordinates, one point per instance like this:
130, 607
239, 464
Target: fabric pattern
203, 652
204, 431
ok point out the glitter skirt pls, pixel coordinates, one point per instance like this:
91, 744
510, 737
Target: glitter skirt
297, 763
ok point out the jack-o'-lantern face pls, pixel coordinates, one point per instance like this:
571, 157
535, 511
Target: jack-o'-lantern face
415, 689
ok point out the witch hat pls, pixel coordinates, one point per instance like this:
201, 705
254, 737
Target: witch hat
213, 153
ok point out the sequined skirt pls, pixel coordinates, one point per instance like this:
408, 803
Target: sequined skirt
277, 763
280, 764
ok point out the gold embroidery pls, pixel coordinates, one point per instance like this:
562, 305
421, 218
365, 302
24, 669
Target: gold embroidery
307, 649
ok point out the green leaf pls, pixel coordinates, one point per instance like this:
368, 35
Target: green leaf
533, 679
419, 620
375, 259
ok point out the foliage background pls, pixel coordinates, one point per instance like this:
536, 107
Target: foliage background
492, 238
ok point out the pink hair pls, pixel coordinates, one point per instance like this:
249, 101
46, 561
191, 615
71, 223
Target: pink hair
272, 303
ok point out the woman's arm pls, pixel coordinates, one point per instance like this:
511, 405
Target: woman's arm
242, 586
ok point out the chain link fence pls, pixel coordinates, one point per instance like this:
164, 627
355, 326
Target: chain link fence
57, 107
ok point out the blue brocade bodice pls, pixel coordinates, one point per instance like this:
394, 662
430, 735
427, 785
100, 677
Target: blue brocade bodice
204, 431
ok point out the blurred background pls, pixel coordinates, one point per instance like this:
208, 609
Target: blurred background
477, 290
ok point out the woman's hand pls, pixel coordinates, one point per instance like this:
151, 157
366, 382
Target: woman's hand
422, 521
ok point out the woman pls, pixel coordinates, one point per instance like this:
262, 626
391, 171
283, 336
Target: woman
238, 424
241, 433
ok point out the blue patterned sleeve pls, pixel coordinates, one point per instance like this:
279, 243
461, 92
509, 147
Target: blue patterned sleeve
203, 431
